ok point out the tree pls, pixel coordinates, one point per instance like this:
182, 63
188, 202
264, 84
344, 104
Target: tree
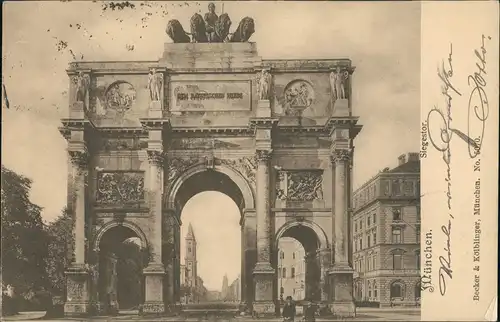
129, 269
60, 251
24, 240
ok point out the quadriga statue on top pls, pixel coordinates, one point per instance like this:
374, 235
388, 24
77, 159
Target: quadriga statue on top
210, 28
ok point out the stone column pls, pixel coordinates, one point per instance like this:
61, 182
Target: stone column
155, 271
263, 272
77, 275
341, 274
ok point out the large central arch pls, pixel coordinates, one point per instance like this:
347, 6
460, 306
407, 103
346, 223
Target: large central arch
220, 178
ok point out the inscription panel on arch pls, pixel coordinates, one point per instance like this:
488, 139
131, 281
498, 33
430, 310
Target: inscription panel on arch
210, 96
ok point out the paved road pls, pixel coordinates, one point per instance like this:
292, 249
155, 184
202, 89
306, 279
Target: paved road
362, 315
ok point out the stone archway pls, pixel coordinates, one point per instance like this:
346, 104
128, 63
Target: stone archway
316, 260
114, 257
224, 179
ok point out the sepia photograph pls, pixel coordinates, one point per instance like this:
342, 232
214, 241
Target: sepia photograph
212, 161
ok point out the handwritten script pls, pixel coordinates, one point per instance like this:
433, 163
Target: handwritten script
440, 136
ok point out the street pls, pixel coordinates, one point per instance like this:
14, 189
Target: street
363, 314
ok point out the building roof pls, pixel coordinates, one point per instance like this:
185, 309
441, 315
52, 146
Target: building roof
408, 167
190, 234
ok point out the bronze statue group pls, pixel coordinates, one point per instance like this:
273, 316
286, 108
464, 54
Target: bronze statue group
210, 29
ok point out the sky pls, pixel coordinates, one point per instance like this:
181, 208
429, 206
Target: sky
40, 38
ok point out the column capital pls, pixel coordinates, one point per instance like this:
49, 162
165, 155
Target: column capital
263, 155
79, 158
340, 155
156, 157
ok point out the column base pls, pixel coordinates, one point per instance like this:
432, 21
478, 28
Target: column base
264, 309
342, 310
77, 291
75, 309
153, 308
153, 304
341, 281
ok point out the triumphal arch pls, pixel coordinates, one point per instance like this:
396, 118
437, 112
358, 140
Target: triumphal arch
274, 135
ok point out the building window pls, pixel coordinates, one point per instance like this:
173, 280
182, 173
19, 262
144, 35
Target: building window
368, 219
284, 272
396, 214
374, 218
293, 272
374, 238
360, 243
418, 259
396, 235
396, 290
397, 261
293, 255
361, 224
375, 295
282, 255
189, 249
374, 259
418, 290
368, 241
355, 226
417, 232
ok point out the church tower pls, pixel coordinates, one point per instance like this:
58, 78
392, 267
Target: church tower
190, 261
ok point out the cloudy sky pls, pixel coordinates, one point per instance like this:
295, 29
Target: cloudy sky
41, 38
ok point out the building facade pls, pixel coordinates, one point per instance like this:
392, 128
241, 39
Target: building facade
291, 269
234, 294
386, 236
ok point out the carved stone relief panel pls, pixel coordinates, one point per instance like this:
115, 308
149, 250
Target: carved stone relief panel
178, 165
302, 185
246, 166
117, 187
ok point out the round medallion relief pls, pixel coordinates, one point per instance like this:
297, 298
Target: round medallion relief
299, 94
120, 96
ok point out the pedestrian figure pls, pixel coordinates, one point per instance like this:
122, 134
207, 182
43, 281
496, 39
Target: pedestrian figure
310, 313
289, 310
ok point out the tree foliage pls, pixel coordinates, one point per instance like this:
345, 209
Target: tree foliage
130, 264
60, 251
24, 239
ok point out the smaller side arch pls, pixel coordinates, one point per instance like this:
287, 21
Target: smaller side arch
136, 229
320, 233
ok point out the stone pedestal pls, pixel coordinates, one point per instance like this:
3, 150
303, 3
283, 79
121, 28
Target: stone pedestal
341, 281
264, 305
77, 291
154, 275
263, 108
77, 110
155, 110
341, 108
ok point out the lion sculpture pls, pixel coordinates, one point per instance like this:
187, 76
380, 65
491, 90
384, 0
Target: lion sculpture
245, 30
176, 32
222, 27
198, 29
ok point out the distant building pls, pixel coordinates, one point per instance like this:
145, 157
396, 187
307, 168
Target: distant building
386, 235
234, 294
225, 288
189, 271
291, 268
214, 296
